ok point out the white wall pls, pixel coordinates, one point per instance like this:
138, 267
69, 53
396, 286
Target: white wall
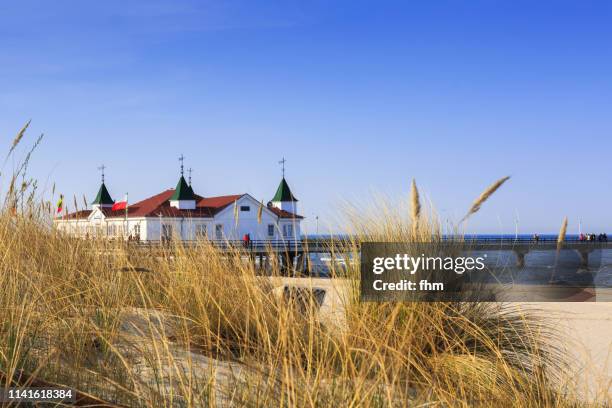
290, 206
247, 222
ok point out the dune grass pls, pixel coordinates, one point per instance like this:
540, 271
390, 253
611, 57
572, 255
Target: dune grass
176, 326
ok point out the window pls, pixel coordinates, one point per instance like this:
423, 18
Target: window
137, 231
219, 231
270, 230
245, 208
287, 230
200, 231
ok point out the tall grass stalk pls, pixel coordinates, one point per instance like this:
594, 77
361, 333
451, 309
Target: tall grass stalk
415, 207
484, 196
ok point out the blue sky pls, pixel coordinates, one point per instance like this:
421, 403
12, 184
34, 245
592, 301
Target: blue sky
358, 96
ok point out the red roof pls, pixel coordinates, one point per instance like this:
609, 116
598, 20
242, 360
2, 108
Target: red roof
160, 204
77, 215
284, 214
217, 202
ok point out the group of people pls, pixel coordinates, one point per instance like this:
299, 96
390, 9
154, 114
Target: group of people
592, 237
583, 237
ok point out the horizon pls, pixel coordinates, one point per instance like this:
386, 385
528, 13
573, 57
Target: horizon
358, 98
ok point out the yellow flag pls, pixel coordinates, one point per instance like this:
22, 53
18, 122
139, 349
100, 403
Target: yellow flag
259, 212
236, 212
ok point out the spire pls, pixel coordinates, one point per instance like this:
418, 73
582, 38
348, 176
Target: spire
103, 197
183, 197
283, 192
189, 170
183, 191
182, 160
101, 168
282, 163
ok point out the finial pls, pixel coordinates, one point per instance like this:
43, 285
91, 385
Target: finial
101, 168
282, 162
182, 159
189, 170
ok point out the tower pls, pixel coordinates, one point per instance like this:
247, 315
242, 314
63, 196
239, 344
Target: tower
284, 199
183, 197
103, 198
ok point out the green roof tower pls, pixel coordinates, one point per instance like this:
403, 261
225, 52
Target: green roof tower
183, 197
103, 198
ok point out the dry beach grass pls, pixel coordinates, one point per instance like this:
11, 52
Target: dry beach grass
197, 327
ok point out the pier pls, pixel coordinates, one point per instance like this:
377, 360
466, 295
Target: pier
293, 254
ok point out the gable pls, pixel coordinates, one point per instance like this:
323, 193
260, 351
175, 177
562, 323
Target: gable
245, 199
96, 214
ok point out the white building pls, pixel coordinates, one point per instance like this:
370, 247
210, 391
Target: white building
181, 214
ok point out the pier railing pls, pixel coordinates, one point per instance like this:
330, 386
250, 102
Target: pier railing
301, 245
346, 243
525, 240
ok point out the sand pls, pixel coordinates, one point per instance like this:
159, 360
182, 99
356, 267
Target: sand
587, 340
585, 333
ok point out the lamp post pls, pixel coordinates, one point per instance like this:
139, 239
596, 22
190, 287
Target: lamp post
516, 225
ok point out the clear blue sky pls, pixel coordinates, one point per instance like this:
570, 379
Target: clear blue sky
358, 96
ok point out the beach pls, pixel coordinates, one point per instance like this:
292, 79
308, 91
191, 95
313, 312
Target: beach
584, 329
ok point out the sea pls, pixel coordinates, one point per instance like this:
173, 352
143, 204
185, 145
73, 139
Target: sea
539, 267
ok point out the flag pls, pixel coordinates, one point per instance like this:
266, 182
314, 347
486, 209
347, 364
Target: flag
60, 204
236, 212
259, 212
120, 205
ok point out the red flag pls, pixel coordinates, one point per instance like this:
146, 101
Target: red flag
120, 205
